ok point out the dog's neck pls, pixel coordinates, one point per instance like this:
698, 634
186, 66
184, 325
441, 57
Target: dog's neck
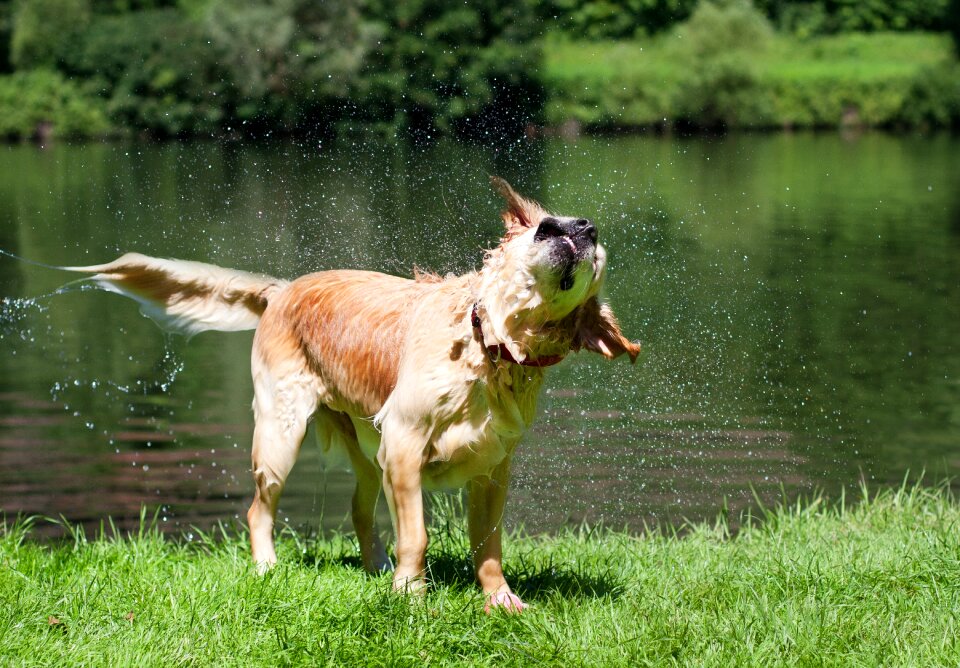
500, 352
513, 323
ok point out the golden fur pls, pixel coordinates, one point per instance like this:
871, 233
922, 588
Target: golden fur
395, 372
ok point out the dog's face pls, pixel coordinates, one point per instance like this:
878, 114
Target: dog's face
567, 262
549, 269
556, 259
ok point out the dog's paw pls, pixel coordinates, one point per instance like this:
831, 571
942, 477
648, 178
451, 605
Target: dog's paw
410, 584
506, 601
265, 566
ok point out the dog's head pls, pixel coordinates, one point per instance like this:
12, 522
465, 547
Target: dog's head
540, 284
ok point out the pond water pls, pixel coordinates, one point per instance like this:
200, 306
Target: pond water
797, 296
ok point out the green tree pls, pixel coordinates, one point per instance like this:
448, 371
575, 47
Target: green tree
6, 31
290, 61
157, 70
807, 17
470, 67
40, 26
614, 19
953, 24
719, 46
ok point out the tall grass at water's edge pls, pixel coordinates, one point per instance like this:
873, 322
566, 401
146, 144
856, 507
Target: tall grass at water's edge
872, 583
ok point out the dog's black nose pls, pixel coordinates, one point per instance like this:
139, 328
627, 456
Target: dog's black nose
585, 226
553, 227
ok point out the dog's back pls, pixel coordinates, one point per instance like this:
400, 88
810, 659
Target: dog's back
348, 328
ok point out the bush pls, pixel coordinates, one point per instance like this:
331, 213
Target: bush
829, 100
841, 16
620, 85
468, 68
877, 80
259, 67
619, 19
614, 19
933, 98
719, 48
40, 26
6, 32
157, 71
31, 100
290, 63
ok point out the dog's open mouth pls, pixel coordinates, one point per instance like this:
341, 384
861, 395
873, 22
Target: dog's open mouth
567, 256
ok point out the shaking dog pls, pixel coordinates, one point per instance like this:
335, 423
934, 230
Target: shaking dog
424, 383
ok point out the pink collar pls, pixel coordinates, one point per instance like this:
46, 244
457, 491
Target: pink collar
503, 353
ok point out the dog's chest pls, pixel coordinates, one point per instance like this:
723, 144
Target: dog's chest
483, 423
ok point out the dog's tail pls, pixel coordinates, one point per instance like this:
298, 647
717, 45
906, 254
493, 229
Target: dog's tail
188, 297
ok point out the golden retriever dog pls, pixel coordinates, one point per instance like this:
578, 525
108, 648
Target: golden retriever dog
425, 383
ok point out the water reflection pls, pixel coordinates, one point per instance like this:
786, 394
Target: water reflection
797, 297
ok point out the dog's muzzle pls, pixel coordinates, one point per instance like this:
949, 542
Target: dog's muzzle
567, 228
573, 240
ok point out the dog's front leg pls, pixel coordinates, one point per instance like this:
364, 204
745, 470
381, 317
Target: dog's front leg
402, 458
487, 498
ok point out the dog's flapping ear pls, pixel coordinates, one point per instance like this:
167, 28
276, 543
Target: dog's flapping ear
598, 331
521, 212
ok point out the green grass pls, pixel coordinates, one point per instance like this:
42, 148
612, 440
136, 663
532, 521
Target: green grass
787, 82
872, 583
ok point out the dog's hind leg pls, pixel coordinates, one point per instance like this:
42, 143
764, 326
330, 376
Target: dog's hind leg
365, 498
282, 408
353, 436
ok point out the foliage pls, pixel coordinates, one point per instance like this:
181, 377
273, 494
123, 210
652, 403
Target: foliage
719, 48
471, 68
238, 65
39, 26
6, 32
187, 67
873, 583
815, 17
289, 59
614, 19
933, 98
157, 71
624, 19
29, 100
953, 24
293, 65
874, 80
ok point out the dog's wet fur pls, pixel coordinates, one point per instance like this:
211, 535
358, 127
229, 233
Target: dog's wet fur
398, 373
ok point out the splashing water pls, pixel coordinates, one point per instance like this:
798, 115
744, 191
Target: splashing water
788, 334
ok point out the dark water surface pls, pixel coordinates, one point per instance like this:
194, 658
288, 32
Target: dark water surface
797, 296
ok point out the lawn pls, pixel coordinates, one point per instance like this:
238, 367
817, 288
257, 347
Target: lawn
875, 582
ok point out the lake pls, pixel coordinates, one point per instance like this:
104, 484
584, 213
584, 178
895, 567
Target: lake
797, 297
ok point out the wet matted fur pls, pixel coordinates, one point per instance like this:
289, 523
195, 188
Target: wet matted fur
425, 383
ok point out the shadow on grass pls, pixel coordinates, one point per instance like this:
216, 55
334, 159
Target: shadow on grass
531, 579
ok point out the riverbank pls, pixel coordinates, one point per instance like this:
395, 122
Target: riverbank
769, 81
867, 583
765, 80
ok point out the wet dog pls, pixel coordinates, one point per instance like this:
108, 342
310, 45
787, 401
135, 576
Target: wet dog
425, 383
